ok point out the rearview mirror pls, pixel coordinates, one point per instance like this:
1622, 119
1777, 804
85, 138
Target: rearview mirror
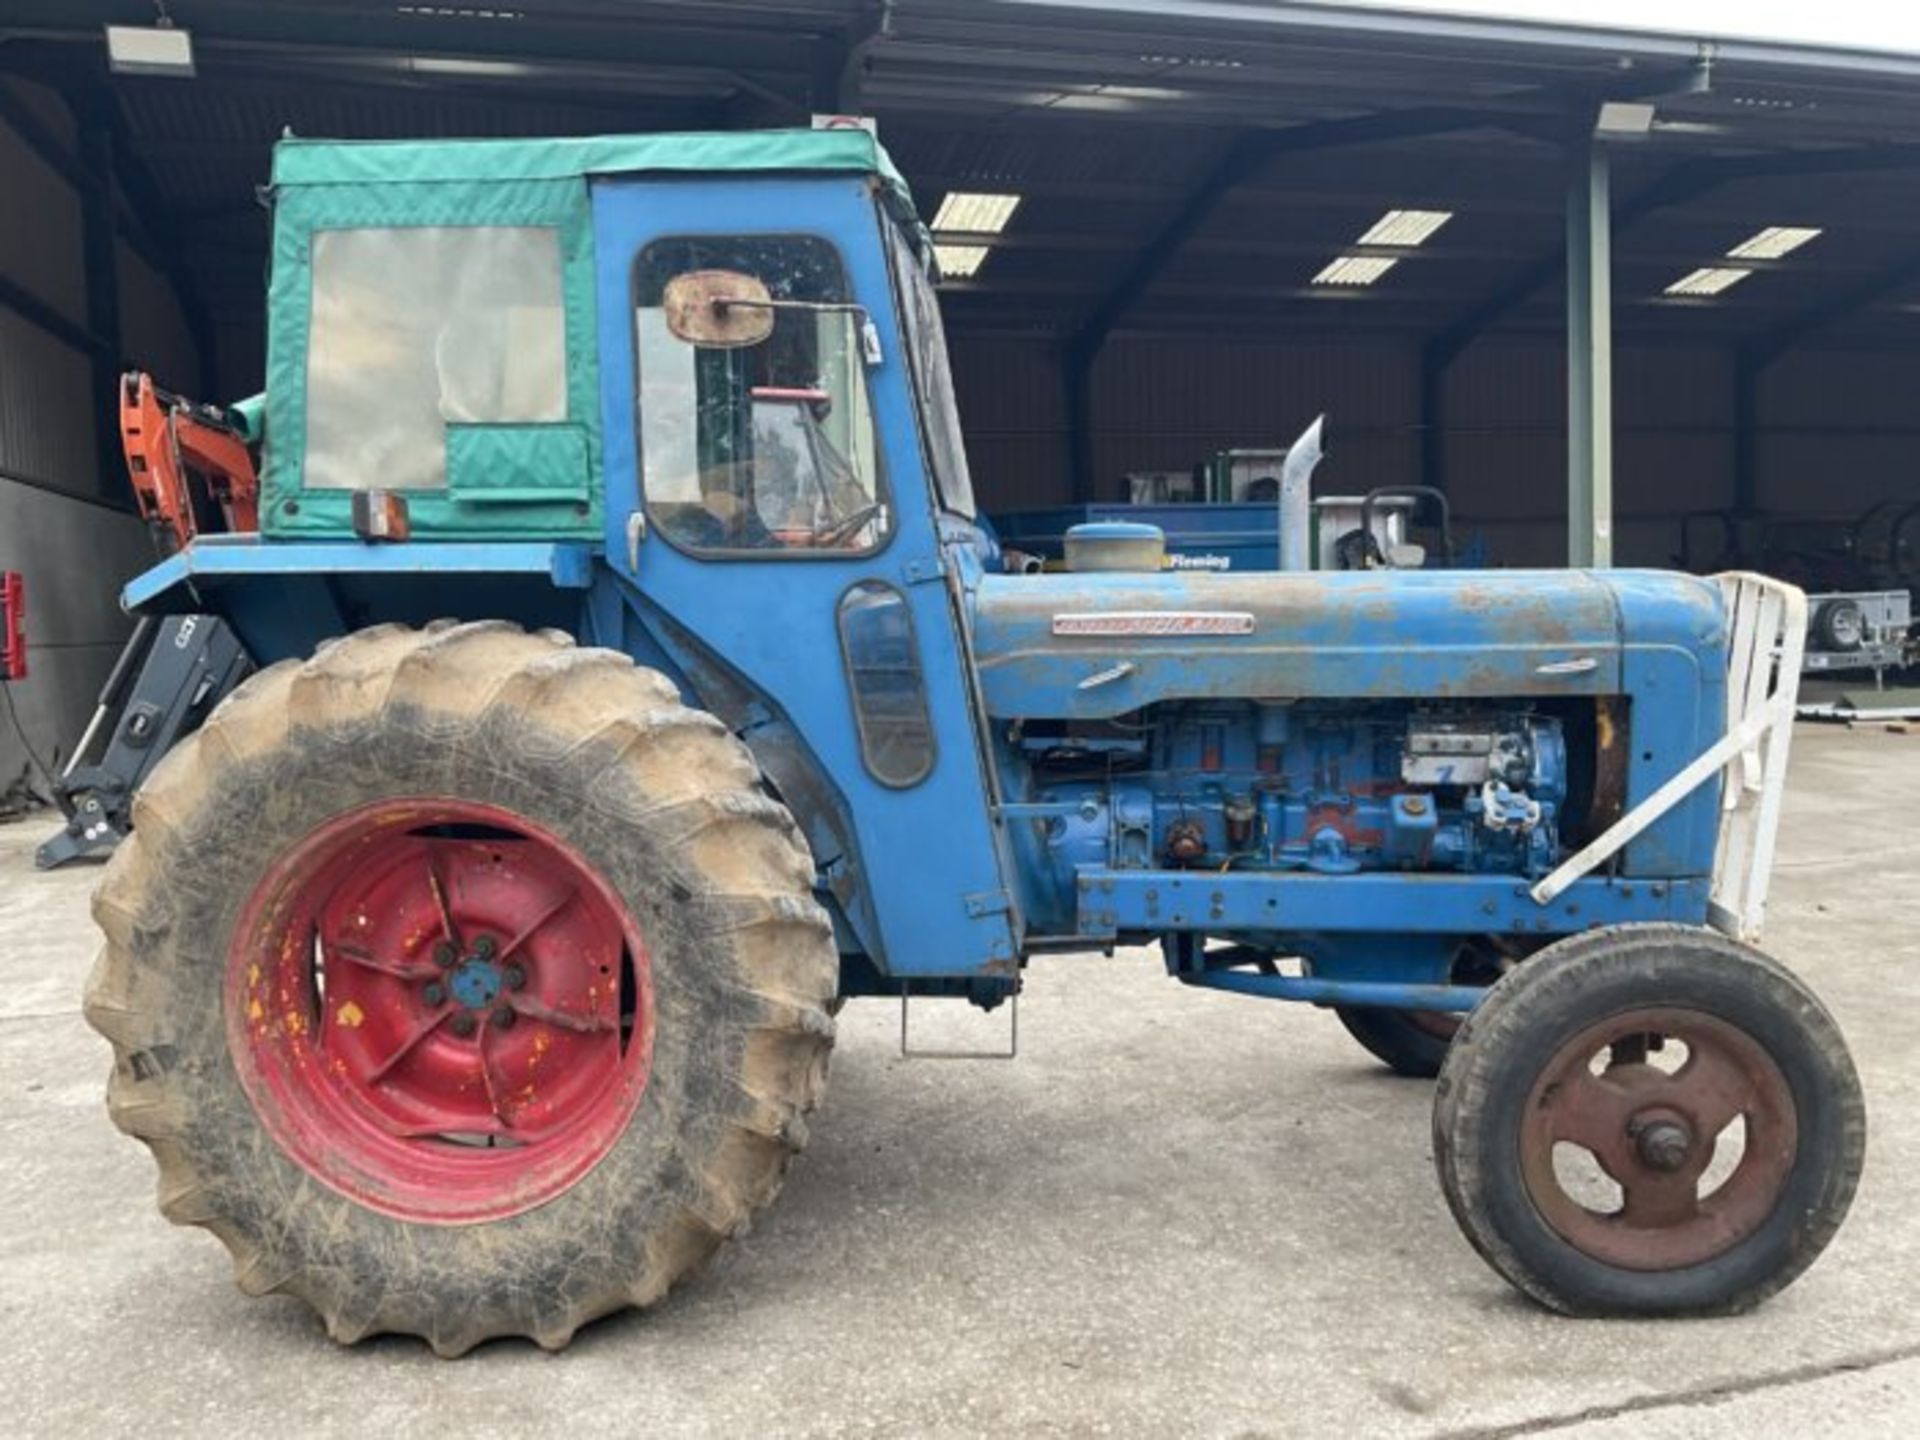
720, 309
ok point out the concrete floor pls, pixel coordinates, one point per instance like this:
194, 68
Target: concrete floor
1177, 1213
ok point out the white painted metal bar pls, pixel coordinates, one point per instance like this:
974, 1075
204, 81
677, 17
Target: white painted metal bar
1739, 899
1766, 634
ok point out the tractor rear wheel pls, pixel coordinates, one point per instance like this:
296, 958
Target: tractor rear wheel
464, 983
1649, 1120
1412, 1043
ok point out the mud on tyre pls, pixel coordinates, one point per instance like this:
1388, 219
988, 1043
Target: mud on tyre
465, 983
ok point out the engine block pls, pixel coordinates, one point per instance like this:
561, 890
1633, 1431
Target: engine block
1327, 787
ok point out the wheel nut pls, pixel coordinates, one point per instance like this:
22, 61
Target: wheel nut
484, 947
464, 1024
433, 992
503, 1018
1664, 1146
444, 956
514, 977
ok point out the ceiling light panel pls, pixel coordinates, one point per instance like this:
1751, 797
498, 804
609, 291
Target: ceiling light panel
1776, 242
959, 262
1200, 62
150, 50
1356, 270
459, 12
976, 214
1407, 228
463, 66
1625, 120
1713, 280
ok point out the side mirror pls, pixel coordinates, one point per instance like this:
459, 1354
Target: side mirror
719, 309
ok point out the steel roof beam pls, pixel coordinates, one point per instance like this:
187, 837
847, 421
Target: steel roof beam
1687, 181
1333, 24
1684, 182
838, 63
1757, 355
1253, 151
1763, 350
1244, 157
700, 41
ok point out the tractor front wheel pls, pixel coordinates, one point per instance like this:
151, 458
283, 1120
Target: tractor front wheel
1649, 1120
464, 983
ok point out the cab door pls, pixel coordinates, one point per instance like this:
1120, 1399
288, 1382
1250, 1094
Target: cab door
767, 504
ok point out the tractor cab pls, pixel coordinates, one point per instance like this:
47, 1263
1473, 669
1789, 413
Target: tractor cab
688, 395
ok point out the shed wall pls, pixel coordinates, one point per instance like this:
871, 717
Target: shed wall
66, 517
1837, 430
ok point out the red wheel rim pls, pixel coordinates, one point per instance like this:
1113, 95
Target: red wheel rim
439, 1010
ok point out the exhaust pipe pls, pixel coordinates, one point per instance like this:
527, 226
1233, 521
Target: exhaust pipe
1296, 498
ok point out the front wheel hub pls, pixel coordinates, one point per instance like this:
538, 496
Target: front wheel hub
440, 1010
1654, 1133
1663, 1144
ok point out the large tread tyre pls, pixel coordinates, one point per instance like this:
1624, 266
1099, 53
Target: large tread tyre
1410, 1043
1722, 1251
658, 800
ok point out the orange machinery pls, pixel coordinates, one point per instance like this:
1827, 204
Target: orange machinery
187, 462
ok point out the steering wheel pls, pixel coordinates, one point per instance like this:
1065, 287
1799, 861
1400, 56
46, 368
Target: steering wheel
838, 535
1358, 550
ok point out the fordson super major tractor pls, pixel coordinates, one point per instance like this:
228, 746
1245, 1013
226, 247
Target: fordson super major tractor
637, 681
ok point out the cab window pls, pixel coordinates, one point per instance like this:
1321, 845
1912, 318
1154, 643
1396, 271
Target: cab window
932, 379
415, 329
762, 447
889, 691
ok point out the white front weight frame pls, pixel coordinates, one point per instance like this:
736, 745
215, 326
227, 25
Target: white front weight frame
1766, 634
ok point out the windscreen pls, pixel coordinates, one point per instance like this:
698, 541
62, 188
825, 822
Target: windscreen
933, 380
767, 447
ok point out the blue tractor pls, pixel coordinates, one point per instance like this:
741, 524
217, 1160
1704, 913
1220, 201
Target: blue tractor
637, 683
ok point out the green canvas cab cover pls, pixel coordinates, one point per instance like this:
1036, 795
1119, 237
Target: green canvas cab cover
513, 475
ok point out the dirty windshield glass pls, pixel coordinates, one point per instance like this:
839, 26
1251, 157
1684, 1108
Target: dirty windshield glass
762, 447
933, 380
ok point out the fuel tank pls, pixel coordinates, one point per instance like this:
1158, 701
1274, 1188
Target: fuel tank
1095, 646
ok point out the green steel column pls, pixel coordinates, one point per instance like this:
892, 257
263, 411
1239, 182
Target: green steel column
1589, 362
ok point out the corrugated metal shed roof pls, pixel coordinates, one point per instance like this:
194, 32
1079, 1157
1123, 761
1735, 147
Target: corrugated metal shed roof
1107, 117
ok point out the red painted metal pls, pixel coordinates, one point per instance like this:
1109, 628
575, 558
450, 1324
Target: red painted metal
440, 1010
13, 625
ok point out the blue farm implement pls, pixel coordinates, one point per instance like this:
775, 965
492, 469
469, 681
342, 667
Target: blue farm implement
636, 682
